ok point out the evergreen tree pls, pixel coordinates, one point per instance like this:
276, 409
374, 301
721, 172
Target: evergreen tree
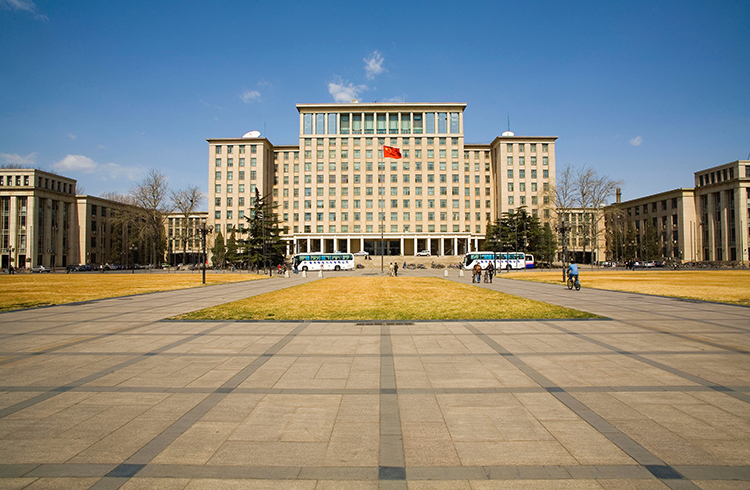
548, 245
650, 241
263, 246
232, 256
218, 251
630, 242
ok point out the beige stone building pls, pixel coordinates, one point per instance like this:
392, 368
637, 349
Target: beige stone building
184, 240
705, 223
722, 201
44, 222
670, 213
335, 191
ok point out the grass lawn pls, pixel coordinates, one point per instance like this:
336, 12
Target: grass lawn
721, 286
383, 298
30, 290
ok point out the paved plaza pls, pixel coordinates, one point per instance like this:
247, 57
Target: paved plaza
109, 394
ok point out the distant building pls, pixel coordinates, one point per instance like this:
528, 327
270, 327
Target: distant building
335, 191
44, 222
705, 223
184, 241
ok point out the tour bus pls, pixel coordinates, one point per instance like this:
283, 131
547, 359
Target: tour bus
502, 260
318, 261
529, 261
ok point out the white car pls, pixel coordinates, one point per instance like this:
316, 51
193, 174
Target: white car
40, 269
424, 253
361, 252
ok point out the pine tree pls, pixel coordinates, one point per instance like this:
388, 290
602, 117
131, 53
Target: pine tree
263, 246
232, 256
218, 251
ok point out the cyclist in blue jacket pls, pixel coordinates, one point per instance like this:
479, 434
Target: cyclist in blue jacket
573, 272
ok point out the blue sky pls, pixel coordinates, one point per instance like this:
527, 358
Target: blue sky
646, 92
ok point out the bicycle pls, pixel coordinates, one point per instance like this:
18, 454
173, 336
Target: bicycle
576, 284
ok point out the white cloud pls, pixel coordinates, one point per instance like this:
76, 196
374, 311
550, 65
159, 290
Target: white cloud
374, 65
106, 171
72, 136
16, 159
22, 5
636, 141
75, 163
343, 92
249, 95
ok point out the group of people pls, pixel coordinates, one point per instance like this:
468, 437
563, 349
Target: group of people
476, 273
393, 269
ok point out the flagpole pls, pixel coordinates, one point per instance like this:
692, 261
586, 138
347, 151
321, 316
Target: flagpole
382, 213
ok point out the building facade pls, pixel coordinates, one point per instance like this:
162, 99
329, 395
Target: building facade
334, 190
44, 222
705, 223
39, 219
184, 240
671, 216
722, 199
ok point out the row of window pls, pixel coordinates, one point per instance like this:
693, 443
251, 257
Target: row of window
720, 176
241, 149
654, 206
369, 167
240, 176
381, 123
230, 162
393, 228
369, 203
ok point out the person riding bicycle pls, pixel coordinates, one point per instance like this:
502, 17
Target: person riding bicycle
573, 273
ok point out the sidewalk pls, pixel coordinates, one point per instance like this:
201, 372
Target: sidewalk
107, 395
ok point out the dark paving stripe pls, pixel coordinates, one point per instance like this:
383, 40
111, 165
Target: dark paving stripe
391, 462
153, 448
379, 391
639, 453
388, 475
691, 336
663, 367
61, 389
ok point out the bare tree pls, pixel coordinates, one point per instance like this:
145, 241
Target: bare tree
150, 195
186, 201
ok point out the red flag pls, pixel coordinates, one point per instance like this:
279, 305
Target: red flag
391, 152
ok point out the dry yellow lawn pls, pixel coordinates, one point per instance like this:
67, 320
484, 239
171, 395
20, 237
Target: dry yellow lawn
383, 298
721, 286
30, 290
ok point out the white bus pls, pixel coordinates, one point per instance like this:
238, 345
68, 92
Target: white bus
501, 260
323, 262
530, 261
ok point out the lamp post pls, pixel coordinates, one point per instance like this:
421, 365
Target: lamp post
133, 248
205, 230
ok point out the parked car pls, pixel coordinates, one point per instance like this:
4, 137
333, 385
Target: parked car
362, 253
40, 269
424, 253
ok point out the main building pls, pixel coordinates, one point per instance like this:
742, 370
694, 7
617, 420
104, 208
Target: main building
334, 190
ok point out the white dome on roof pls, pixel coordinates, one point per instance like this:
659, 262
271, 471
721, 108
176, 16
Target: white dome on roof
509, 133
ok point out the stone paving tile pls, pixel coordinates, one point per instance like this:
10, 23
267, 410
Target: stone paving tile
492, 404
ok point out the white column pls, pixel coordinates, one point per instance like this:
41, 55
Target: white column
362, 243
402, 245
348, 245
322, 244
429, 244
442, 246
309, 241
415, 245
455, 245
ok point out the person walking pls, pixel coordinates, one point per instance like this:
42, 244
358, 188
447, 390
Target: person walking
395, 269
390, 269
477, 273
490, 271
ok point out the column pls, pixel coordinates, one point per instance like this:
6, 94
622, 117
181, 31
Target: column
309, 242
348, 245
455, 245
362, 243
322, 244
429, 244
402, 246
442, 246
416, 242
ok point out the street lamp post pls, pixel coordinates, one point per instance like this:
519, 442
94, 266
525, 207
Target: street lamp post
205, 230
